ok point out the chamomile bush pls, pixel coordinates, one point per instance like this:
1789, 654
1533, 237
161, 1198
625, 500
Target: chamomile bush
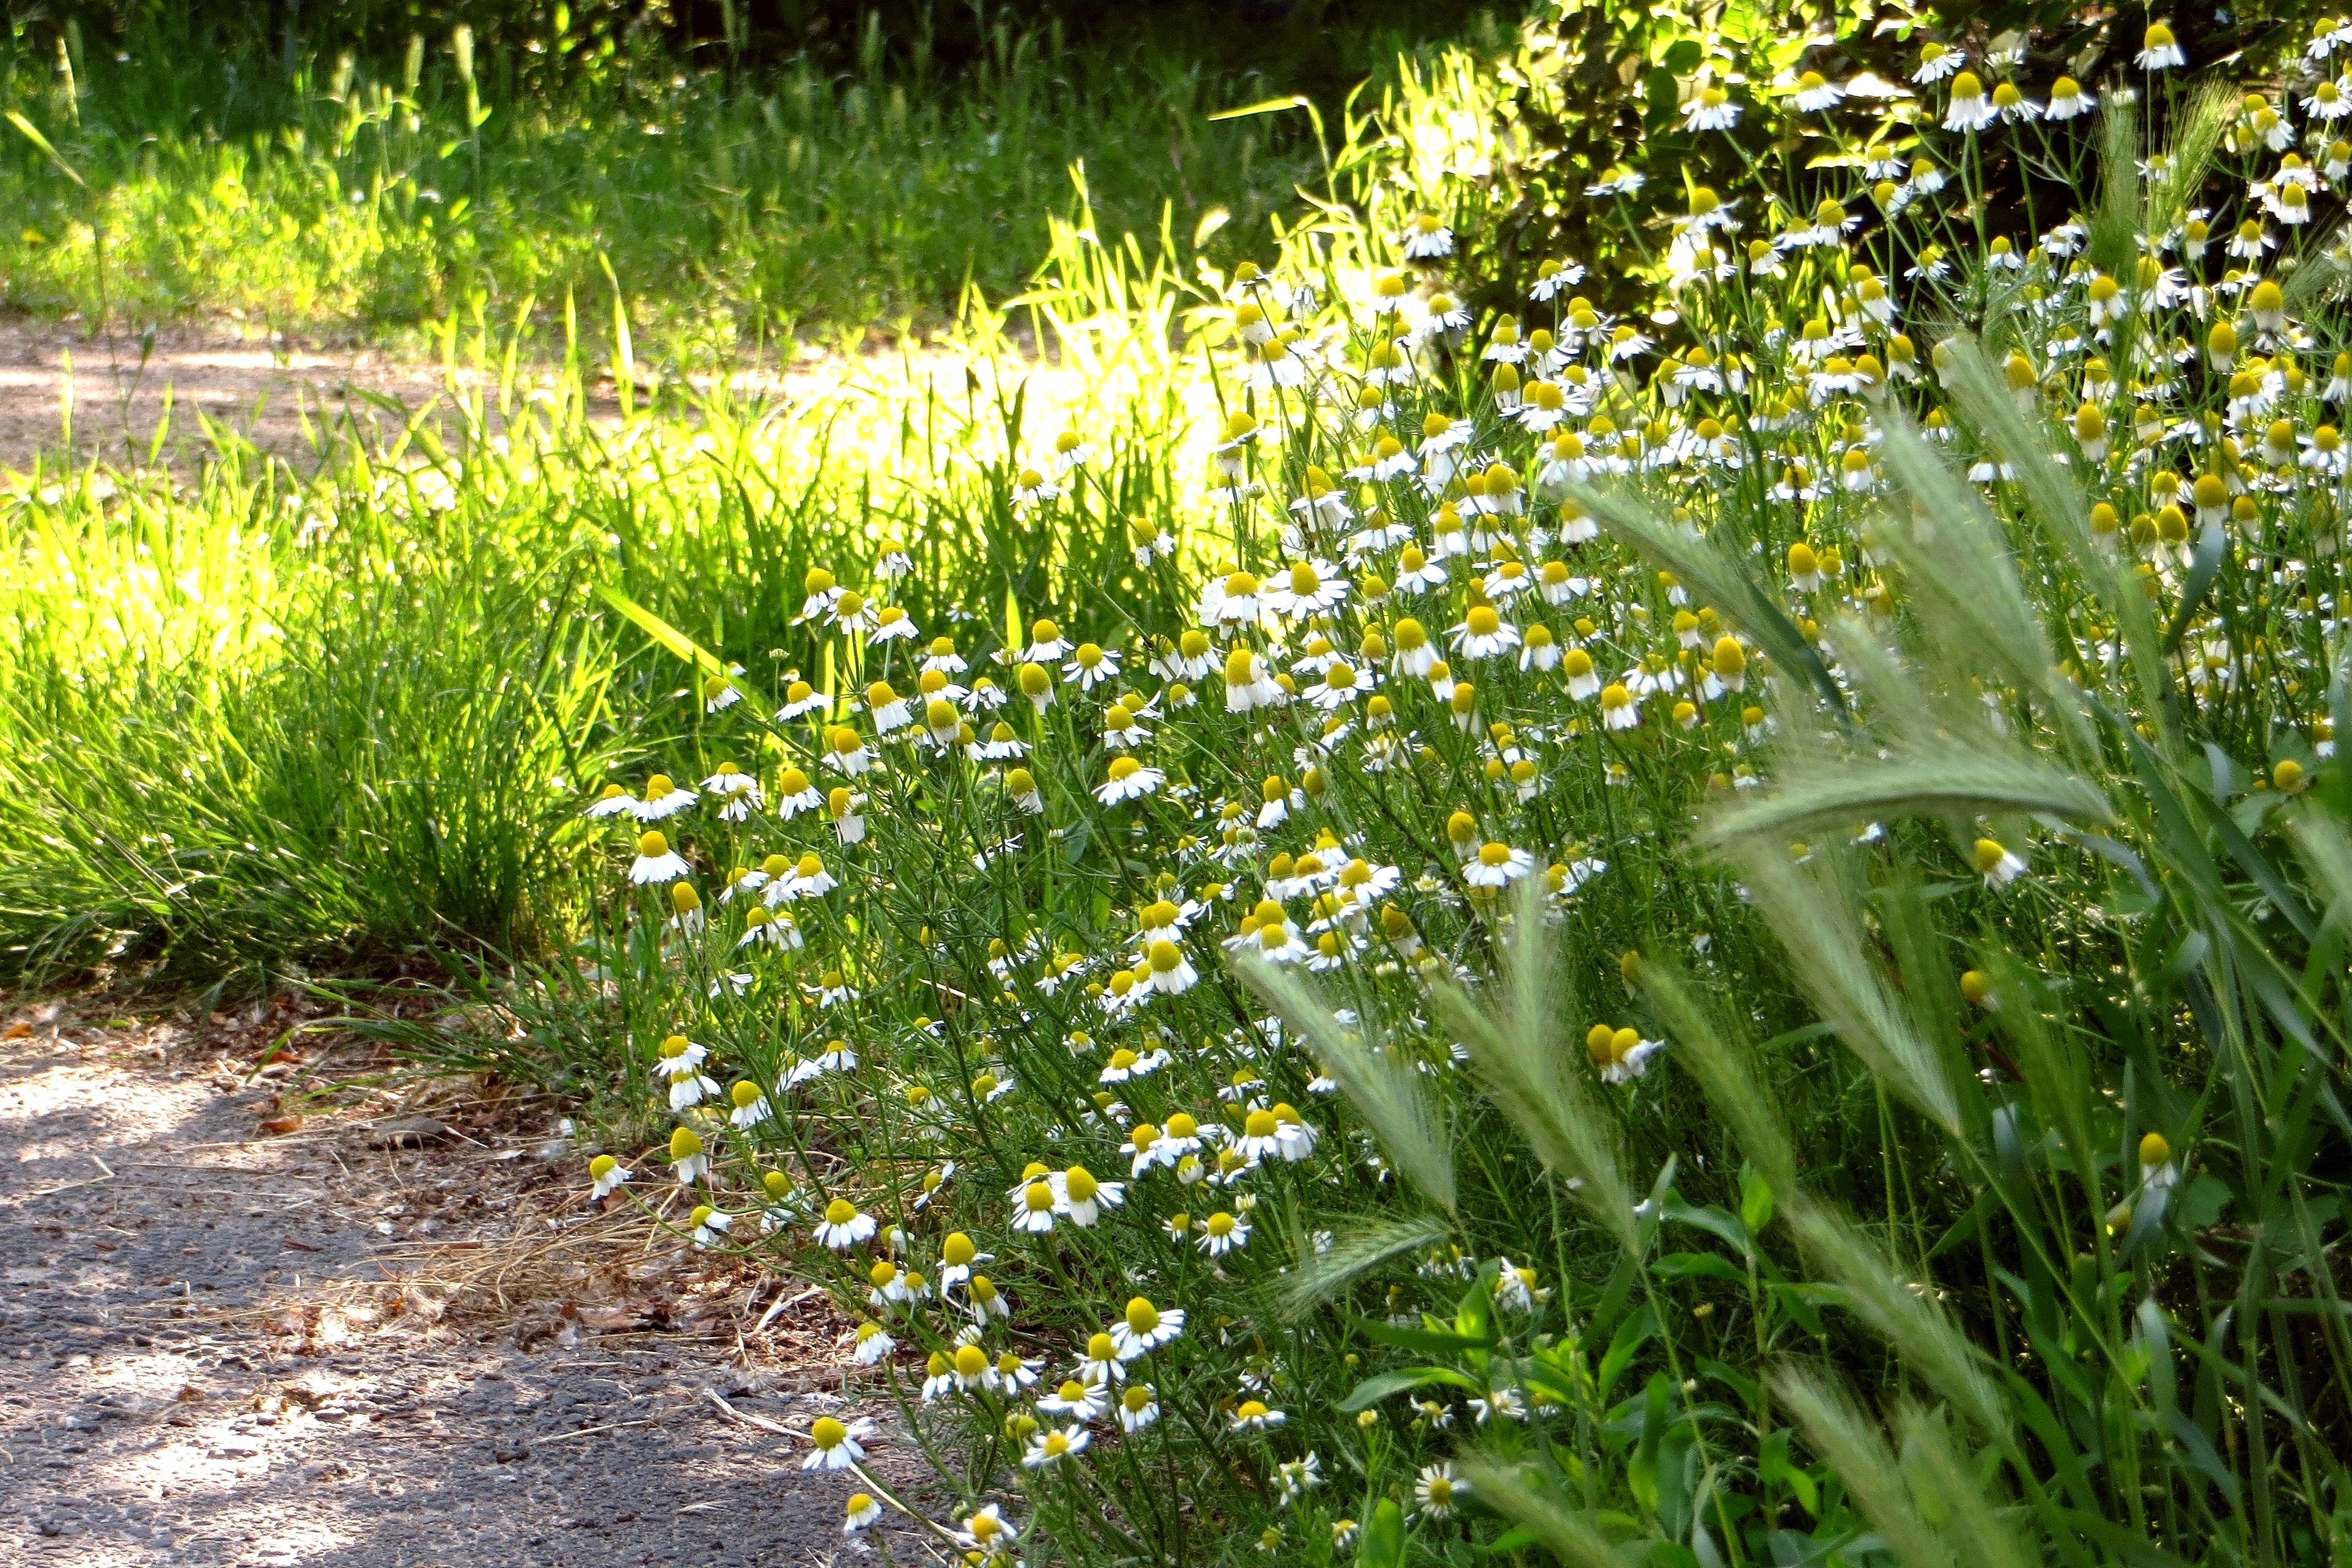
1707, 937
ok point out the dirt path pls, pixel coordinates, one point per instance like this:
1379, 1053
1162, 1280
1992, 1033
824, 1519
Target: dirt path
287, 397
223, 1345
119, 388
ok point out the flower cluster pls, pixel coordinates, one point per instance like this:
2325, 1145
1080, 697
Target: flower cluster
964, 945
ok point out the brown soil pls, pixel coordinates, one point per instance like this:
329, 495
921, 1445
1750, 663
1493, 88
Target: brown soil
119, 388
246, 1319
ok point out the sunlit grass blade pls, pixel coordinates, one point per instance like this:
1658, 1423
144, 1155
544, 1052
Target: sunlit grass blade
1724, 1071
1352, 1256
1384, 1085
1931, 1346
1512, 1028
1957, 783
1816, 908
1856, 1447
1569, 1537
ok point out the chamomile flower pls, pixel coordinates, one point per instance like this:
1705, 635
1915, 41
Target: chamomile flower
854, 612
1021, 790
1100, 1364
1172, 973
1139, 1407
737, 793
1081, 1198
1813, 92
821, 592
1053, 1445
1426, 238
844, 1226
1224, 1232
2159, 51
988, 1532
1937, 62
807, 878
656, 861
846, 751
1128, 780
689, 1163
1255, 1415
1497, 866
1622, 1055
1438, 1490
1484, 634
1620, 709
1085, 1401
1032, 490
2010, 103
1304, 589
1249, 685
709, 1226
606, 1175
1710, 109
987, 1301
614, 801
750, 1104
1582, 680
1969, 108
1145, 1328
2068, 98
1090, 666
661, 799
1997, 865
835, 1446
1033, 1207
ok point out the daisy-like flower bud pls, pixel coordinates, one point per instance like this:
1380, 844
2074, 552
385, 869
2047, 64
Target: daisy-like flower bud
656, 861
2160, 50
607, 1174
688, 1162
1021, 786
1996, 864
1969, 108
1037, 685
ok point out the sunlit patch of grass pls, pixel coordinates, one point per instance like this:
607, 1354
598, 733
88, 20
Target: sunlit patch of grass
799, 202
267, 721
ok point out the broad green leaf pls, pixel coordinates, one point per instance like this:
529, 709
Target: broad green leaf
1373, 1390
1383, 1544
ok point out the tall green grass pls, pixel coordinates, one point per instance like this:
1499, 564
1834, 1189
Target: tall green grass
378, 196
277, 719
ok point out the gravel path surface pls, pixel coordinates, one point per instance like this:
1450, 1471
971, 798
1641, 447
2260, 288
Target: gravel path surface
221, 1346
